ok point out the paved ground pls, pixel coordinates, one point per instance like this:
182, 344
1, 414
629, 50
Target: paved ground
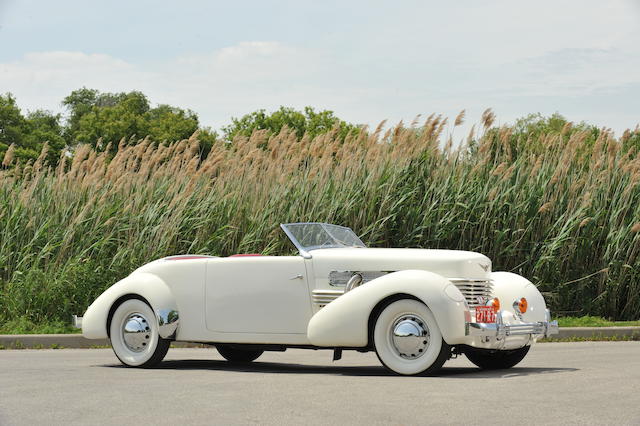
570, 383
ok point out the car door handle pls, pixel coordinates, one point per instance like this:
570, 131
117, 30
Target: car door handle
296, 277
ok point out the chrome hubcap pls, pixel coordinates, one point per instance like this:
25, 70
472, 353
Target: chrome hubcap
136, 332
410, 336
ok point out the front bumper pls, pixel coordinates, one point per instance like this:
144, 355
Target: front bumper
499, 329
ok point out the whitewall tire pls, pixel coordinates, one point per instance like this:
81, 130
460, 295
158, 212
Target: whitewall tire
134, 335
407, 338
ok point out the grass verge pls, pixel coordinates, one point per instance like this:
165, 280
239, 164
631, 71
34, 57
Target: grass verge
24, 326
590, 321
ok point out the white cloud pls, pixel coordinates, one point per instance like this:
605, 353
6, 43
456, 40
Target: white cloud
516, 74
43, 79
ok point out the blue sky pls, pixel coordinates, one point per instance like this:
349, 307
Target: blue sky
367, 61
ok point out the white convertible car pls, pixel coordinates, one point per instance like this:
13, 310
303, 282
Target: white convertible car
415, 308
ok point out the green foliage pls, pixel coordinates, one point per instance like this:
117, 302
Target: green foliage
23, 325
167, 123
558, 206
535, 125
97, 118
110, 117
29, 133
591, 321
634, 337
43, 126
308, 121
12, 123
631, 139
529, 135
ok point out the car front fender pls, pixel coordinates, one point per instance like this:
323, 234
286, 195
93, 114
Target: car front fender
146, 285
345, 321
510, 287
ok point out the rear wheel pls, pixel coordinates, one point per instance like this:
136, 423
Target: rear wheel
407, 339
134, 335
496, 360
237, 354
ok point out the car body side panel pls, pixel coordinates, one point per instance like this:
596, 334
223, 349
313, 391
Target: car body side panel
344, 322
266, 294
182, 285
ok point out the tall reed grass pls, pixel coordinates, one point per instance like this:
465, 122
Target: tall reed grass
561, 208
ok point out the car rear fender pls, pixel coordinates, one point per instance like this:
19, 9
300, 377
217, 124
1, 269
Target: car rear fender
146, 286
345, 321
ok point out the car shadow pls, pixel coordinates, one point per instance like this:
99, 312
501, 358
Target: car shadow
378, 371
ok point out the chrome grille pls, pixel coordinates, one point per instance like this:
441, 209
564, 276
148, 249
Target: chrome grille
324, 297
471, 289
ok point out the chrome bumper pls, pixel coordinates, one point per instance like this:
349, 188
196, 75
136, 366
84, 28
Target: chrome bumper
500, 329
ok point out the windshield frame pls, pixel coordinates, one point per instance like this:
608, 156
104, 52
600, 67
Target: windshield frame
327, 228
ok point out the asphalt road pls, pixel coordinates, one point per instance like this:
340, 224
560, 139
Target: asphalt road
558, 383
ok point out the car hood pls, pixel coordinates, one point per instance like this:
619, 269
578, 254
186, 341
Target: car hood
448, 263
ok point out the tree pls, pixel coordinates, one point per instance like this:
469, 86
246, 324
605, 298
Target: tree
29, 133
44, 126
167, 123
11, 121
79, 104
110, 116
535, 125
306, 121
113, 116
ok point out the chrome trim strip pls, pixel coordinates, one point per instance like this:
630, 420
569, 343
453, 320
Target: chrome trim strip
353, 282
168, 320
341, 278
324, 297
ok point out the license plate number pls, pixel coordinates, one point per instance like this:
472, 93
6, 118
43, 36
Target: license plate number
485, 314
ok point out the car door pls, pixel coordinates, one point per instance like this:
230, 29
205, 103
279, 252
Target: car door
258, 294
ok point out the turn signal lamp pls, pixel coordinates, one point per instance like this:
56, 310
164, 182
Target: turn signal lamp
494, 303
522, 305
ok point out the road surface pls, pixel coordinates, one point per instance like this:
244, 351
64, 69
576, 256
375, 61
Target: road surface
558, 383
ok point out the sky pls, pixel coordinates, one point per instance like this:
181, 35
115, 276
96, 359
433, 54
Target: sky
365, 60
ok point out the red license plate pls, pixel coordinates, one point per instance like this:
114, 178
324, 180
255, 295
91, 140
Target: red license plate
485, 314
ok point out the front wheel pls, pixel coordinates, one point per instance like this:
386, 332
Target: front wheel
407, 339
236, 354
496, 360
134, 335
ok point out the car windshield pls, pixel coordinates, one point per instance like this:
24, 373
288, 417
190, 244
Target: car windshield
311, 236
